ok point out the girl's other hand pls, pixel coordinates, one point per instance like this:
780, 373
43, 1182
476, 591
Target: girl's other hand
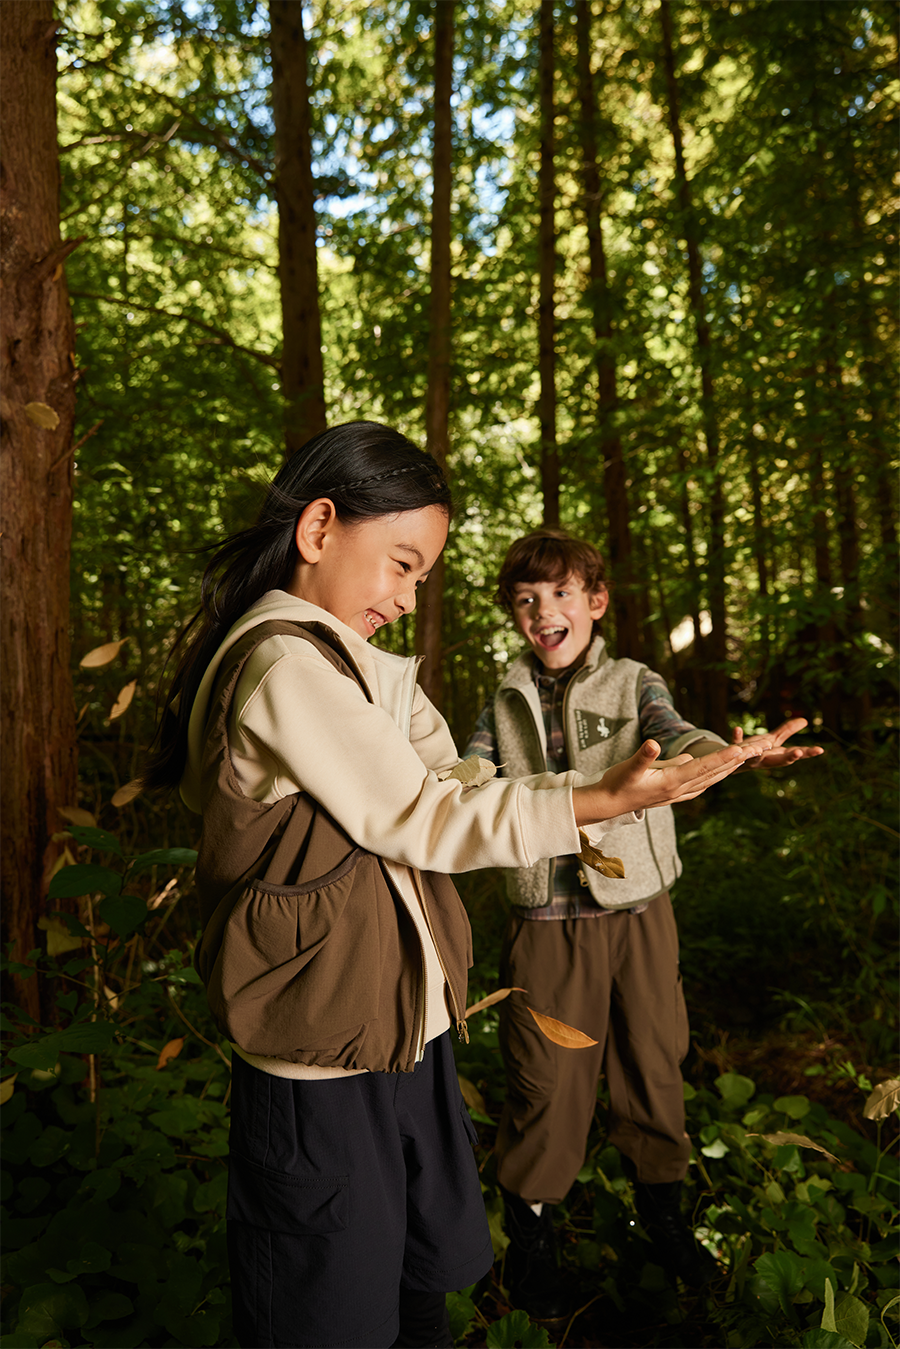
638, 784
777, 756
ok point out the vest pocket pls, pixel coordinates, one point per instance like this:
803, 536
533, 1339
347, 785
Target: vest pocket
280, 1202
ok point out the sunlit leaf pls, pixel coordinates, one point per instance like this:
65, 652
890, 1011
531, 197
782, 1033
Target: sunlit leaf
123, 702
59, 938
592, 857
497, 996
471, 1095
42, 416
884, 1098
126, 793
471, 772
170, 1051
102, 655
6, 1088
561, 1034
76, 815
799, 1140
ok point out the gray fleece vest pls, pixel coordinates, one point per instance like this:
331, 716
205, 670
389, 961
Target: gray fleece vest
601, 725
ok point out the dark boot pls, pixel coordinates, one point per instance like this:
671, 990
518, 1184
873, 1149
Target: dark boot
532, 1271
674, 1244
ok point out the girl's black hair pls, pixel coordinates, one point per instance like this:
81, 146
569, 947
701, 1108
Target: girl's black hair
367, 470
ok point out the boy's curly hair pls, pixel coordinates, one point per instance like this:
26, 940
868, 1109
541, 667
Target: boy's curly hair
549, 555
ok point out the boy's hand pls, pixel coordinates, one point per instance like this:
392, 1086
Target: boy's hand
638, 784
777, 756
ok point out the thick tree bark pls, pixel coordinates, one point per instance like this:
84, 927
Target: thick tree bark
621, 560
437, 407
547, 274
37, 367
302, 372
717, 646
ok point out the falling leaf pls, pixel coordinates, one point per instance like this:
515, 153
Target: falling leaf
59, 938
127, 793
102, 655
591, 856
471, 772
42, 416
471, 1095
170, 1051
884, 1099
111, 998
799, 1140
6, 1088
497, 996
123, 702
75, 815
560, 1033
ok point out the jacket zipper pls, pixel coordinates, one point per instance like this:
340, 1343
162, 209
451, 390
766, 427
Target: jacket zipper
462, 1029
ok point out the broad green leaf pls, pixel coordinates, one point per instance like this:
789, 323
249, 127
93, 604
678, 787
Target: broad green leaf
824, 1339
96, 838
795, 1106
516, 1329
123, 913
42, 1053
176, 857
86, 1037
462, 1312
735, 1089
851, 1318
108, 1306
47, 1309
779, 1277
85, 878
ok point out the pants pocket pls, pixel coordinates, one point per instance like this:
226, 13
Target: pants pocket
280, 1202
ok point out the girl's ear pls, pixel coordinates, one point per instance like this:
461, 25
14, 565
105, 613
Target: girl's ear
315, 522
598, 603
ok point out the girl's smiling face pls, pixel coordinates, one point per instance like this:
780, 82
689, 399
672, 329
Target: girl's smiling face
366, 574
557, 618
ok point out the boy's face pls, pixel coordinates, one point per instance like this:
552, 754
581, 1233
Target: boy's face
556, 618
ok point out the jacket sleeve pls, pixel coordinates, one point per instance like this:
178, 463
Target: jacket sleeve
308, 727
660, 721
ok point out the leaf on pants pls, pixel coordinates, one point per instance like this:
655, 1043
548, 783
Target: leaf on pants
592, 857
561, 1034
497, 996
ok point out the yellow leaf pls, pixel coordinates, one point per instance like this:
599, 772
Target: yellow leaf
65, 859
102, 655
111, 997
471, 772
592, 857
170, 1051
75, 815
6, 1088
42, 416
471, 1095
59, 938
884, 1099
497, 996
800, 1140
127, 793
560, 1033
123, 702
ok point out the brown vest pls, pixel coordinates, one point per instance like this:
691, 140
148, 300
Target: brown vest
308, 952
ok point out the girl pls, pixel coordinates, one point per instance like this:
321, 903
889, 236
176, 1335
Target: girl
334, 947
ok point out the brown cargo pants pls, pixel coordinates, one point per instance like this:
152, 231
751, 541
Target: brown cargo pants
617, 979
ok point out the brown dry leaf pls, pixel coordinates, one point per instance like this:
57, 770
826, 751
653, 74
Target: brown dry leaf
112, 998
75, 815
170, 1051
6, 1088
497, 996
127, 793
884, 1099
560, 1033
102, 655
42, 416
471, 772
59, 938
591, 856
800, 1140
471, 1095
123, 702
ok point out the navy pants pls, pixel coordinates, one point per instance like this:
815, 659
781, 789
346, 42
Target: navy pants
341, 1192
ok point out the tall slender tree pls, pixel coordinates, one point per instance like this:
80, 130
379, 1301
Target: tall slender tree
437, 405
37, 365
302, 372
547, 268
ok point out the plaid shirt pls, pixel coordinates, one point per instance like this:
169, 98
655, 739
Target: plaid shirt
659, 720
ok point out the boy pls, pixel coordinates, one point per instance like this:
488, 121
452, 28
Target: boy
598, 953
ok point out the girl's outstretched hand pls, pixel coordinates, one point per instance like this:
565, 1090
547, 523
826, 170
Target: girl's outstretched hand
638, 784
778, 756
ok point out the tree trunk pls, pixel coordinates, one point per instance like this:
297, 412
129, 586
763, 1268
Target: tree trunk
437, 408
37, 366
547, 275
717, 646
621, 560
302, 372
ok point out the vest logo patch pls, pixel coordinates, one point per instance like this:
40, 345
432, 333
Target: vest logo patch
592, 728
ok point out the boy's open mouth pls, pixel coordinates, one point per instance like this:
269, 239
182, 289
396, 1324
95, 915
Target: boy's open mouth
552, 637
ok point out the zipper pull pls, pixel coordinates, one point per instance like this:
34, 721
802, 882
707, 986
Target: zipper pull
462, 1031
